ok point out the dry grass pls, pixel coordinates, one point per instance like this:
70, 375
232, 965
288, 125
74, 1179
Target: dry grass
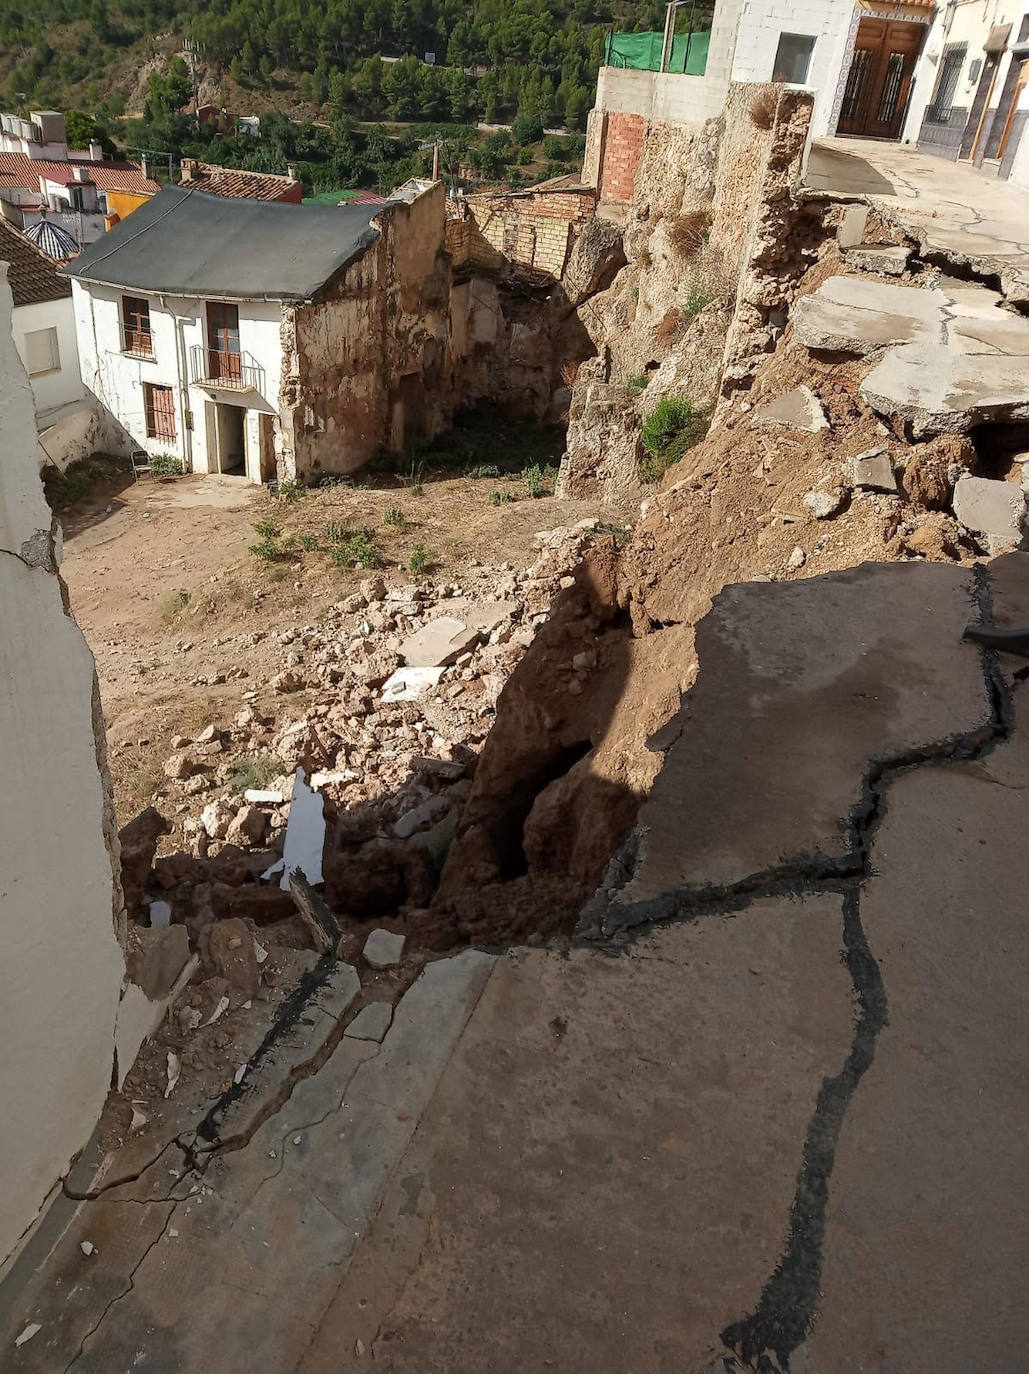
569, 372
666, 331
688, 233
763, 107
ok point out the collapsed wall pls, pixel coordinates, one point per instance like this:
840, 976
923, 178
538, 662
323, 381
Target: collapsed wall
70, 1021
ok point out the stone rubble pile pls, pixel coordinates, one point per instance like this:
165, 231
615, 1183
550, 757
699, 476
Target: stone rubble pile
392, 763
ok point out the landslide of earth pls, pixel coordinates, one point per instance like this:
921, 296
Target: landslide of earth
577, 739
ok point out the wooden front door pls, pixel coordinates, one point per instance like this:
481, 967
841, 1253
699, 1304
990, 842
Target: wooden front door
875, 99
223, 355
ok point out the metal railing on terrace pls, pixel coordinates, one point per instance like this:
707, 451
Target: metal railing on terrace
229, 371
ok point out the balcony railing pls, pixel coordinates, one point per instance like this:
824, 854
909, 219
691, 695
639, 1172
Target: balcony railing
227, 371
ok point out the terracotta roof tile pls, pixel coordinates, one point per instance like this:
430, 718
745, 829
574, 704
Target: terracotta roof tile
32, 275
229, 181
23, 173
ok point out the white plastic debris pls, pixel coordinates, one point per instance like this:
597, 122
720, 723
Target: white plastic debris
237, 1077
297, 1139
173, 1233
139, 1120
260, 953
223, 1006
257, 795
174, 1069
87, 1247
28, 1333
305, 835
160, 913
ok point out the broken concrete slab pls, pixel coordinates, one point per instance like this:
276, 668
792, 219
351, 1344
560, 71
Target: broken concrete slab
1002, 333
888, 259
857, 315
788, 719
939, 390
438, 643
155, 957
995, 511
408, 684
851, 229
799, 409
383, 949
873, 470
823, 505
371, 1022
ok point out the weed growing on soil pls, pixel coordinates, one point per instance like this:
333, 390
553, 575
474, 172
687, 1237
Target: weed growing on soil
67, 488
483, 470
412, 478
420, 561
290, 491
333, 479
699, 294
393, 515
355, 550
569, 372
254, 773
267, 529
499, 498
335, 533
165, 465
671, 430
173, 603
537, 480
639, 382
308, 542
268, 550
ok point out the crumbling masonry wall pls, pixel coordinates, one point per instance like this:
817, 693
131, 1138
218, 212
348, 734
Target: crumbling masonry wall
60, 901
534, 228
363, 363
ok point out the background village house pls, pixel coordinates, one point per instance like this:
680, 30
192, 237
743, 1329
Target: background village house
301, 340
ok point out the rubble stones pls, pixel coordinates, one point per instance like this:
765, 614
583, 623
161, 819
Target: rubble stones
823, 505
138, 840
383, 949
888, 259
438, 643
262, 904
873, 470
249, 826
216, 818
155, 957
993, 510
228, 950
180, 767
799, 409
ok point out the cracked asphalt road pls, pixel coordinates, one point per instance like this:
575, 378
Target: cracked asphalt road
768, 1111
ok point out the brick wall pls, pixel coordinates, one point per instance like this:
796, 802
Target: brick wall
534, 229
620, 155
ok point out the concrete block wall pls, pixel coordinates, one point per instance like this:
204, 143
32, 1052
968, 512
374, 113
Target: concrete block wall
533, 229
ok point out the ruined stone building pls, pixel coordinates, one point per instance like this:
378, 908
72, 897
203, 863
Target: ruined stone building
255, 338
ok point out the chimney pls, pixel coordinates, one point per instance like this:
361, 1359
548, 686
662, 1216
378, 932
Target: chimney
96, 150
188, 167
291, 171
435, 161
144, 166
82, 174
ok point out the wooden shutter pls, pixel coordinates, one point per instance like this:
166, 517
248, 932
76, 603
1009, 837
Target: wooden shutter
159, 402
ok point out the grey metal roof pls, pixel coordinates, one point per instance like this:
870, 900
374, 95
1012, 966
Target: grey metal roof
187, 243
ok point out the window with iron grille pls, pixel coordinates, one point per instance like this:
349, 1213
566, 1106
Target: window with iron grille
159, 405
135, 318
947, 83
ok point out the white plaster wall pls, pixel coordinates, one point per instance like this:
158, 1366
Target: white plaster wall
926, 71
116, 379
52, 390
827, 21
62, 966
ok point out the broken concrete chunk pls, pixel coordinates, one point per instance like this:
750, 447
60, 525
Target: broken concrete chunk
888, 259
995, 511
408, 684
823, 505
873, 470
31, 1330
248, 827
216, 818
797, 558
155, 957
383, 949
228, 949
180, 767
208, 734
941, 391
438, 643
260, 796
799, 409
371, 1022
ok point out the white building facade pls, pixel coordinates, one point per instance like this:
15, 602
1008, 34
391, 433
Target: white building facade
196, 378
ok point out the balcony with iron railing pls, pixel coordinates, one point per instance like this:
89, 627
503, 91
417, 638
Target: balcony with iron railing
219, 370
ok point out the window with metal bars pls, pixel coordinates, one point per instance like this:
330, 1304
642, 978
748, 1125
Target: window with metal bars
891, 88
135, 319
855, 83
947, 83
159, 405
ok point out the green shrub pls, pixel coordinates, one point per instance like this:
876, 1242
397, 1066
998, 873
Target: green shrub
308, 542
420, 560
267, 529
699, 294
290, 491
484, 470
268, 550
499, 498
527, 128
523, 157
670, 431
639, 382
335, 533
67, 488
333, 479
254, 773
165, 465
394, 516
355, 550
534, 481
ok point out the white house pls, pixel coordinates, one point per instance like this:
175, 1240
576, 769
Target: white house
251, 338
971, 96
43, 326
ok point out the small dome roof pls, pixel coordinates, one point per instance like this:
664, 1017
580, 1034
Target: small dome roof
55, 241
